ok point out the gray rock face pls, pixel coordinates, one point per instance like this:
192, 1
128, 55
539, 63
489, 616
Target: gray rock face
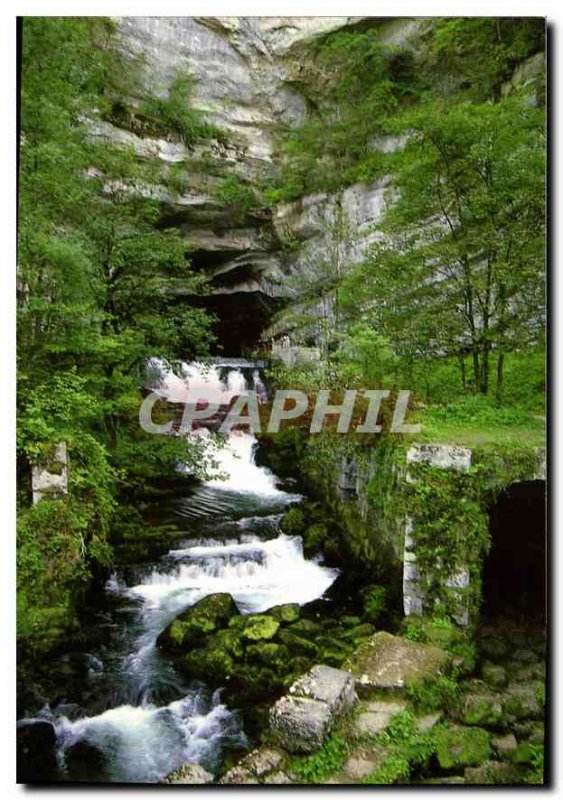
299, 724
241, 80
248, 74
391, 662
301, 720
445, 456
189, 774
50, 480
328, 685
377, 717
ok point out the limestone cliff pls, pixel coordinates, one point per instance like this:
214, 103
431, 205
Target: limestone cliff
251, 75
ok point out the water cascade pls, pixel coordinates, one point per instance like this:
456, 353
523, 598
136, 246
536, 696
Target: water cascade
154, 721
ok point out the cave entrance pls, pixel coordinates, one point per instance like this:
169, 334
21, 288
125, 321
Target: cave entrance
241, 318
514, 577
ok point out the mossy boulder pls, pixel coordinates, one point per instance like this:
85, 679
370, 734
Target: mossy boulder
494, 675
229, 640
482, 709
524, 701
332, 651
391, 662
188, 774
359, 632
269, 653
314, 537
209, 663
350, 621
190, 628
494, 773
259, 626
297, 645
524, 753
305, 627
458, 746
285, 614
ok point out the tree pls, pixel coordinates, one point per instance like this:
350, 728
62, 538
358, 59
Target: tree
461, 272
482, 52
96, 278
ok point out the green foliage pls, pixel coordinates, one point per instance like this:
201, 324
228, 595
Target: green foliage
237, 196
451, 301
375, 600
457, 746
407, 748
174, 115
537, 774
361, 83
482, 52
462, 274
436, 694
400, 728
395, 769
325, 762
96, 281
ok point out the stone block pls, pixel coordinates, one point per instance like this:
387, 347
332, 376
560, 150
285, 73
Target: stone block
335, 687
300, 724
391, 662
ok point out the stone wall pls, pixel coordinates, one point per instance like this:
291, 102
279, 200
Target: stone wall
415, 600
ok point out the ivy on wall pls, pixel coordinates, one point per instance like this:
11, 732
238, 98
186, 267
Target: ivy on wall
449, 512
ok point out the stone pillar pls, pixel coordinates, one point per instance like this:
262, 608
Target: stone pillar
541, 465
414, 597
50, 479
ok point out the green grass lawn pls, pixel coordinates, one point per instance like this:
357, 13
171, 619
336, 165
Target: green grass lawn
476, 423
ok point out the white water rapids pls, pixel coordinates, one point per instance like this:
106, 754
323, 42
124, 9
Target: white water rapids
142, 741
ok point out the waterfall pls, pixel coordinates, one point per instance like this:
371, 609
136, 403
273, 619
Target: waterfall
257, 574
157, 722
142, 744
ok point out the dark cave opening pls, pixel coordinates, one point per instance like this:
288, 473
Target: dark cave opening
241, 318
514, 577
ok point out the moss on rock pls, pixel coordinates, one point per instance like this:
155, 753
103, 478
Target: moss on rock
462, 747
482, 709
259, 627
391, 662
203, 618
287, 613
297, 644
208, 662
293, 521
270, 653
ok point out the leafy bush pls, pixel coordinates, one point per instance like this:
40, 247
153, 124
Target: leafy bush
393, 770
436, 694
174, 114
325, 762
238, 196
375, 600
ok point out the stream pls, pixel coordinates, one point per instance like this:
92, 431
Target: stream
139, 719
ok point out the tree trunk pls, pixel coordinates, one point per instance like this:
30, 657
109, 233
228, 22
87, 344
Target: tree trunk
500, 378
476, 369
463, 372
484, 376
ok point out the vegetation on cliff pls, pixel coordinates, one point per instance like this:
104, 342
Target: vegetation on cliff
93, 304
